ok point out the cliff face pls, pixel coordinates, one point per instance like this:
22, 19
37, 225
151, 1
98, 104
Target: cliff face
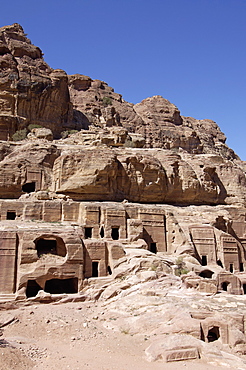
30, 91
33, 93
145, 153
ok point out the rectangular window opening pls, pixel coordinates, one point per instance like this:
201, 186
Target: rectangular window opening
88, 232
11, 215
115, 233
204, 261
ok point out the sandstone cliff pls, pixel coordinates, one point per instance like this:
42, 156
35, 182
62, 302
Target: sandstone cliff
33, 93
150, 202
30, 91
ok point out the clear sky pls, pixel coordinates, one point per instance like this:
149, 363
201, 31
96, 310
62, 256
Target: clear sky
192, 52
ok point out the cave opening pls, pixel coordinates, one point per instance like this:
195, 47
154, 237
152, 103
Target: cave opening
48, 244
45, 246
29, 187
32, 288
88, 232
102, 232
219, 263
95, 265
224, 285
153, 248
206, 274
213, 334
11, 215
204, 261
115, 233
61, 286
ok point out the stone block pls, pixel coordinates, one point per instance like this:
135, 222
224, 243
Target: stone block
134, 229
33, 211
70, 211
52, 211
181, 354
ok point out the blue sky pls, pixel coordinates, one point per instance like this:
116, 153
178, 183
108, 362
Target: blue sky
192, 52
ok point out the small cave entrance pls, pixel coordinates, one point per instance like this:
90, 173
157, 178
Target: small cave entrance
88, 232
32, 288
213, 334
204, 260
219, 263
153, 248
231, 267
50, 245
207, 274
95, 265
60, 286
45, 246
241, 267
109, 270
224, 285
115, 233
102, 232
244, 288
29, 187
11, 215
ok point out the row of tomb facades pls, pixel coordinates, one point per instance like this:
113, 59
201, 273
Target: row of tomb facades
90, 248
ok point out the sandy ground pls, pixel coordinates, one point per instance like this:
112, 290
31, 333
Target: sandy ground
71, 336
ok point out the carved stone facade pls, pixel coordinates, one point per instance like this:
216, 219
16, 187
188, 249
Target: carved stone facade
133, 176
56, 244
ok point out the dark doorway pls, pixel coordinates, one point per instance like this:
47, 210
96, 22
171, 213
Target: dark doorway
102, 232
219, 263
29, 187
109, 270
204, 261
206, 274
32, 288
115, 233
60, 286
11, 215
231, 267
244, 288
153, 248
225, 285
88, 232
45, 246
241, 267
213, 334
95, 268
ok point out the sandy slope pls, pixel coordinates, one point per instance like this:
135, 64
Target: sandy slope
72, 336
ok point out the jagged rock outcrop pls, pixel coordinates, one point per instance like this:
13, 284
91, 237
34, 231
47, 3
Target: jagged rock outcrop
26, 164
98, 172
33, 93
30, 91
183, 160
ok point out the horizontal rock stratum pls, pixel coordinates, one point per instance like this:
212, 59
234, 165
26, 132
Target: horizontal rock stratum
101, 199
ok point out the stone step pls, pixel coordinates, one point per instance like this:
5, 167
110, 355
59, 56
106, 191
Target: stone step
6, 297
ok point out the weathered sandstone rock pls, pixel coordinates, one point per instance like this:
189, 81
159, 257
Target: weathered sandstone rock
132, 205
30, 91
